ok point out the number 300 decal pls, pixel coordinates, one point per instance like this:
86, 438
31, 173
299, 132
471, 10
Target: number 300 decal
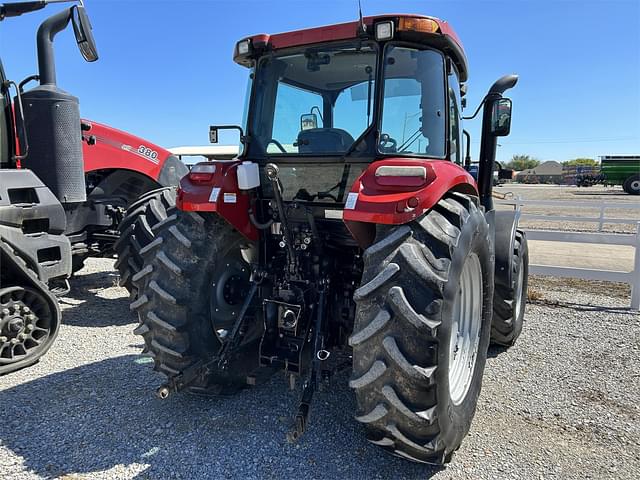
147, 152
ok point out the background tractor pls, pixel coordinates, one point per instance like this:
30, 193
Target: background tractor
347, 233
35, 256
113, 170
122, 171
65, 184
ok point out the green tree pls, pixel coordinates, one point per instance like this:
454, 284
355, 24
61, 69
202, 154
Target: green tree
580, 162
522, 162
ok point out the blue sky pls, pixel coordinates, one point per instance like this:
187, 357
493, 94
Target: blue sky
165, 70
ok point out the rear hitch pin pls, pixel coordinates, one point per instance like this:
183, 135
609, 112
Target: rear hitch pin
323, 355
163, 392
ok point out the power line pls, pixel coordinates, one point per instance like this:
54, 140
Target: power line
579, 140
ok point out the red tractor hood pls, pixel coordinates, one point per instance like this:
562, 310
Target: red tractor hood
108, 148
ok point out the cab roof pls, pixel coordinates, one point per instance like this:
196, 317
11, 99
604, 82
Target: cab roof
445, 38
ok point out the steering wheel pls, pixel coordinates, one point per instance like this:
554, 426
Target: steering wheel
387, 144
277, 144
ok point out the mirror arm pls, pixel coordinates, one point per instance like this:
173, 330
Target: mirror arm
46, 33
245, 139
477, 109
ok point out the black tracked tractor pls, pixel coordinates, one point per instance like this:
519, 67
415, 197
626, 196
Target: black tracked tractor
40, 172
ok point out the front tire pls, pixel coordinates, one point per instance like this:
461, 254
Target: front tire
510, 300
420, 340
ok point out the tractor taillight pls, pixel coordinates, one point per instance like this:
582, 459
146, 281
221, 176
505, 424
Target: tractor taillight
202, 172
423, 25
401, 175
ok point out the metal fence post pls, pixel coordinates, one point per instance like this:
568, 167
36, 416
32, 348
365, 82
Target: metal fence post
635, 282
600, 223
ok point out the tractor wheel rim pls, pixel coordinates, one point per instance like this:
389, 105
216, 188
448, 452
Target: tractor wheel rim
519, 292
25, 324
465, 329
229, 287
635, 185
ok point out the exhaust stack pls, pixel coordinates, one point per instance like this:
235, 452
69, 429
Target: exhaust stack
52, 122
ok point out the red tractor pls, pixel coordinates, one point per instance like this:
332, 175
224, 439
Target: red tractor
121, 172
347, 233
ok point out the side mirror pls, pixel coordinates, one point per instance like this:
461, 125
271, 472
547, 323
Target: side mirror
308, 121
501, 117
84, 34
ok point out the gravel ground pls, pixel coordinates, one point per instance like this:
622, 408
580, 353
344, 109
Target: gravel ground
563, 403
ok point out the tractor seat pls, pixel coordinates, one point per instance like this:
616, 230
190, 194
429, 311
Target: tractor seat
324, 140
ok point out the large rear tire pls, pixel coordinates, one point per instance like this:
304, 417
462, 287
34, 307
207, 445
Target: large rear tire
190, 290
137, 231
422, 330
509, 300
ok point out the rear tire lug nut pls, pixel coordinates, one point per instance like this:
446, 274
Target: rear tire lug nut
5, 311
21, 336
3, 339
14, 341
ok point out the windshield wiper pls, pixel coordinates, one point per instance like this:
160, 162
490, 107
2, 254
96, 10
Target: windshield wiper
370, 84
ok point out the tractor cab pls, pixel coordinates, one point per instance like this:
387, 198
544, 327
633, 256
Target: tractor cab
326, 102
327, 105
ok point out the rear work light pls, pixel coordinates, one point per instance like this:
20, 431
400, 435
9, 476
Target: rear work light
202, 172
243, 47
401, 175
384, 30
423, 25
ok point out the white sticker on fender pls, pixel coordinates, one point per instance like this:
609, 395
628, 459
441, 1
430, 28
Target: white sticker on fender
352, 198
229, 198
215, 191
